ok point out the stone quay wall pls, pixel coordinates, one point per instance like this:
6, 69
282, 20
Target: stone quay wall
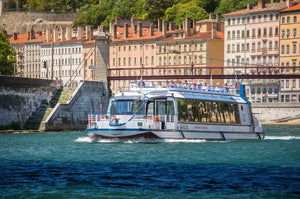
73, 115
22, 22
278, 113
21, 97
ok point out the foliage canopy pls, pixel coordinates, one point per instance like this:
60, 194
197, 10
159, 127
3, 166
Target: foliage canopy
7, 57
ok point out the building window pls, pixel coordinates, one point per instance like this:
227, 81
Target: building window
270, 60
283, 20
228, 35
287, 83
294, 48
124, 61
265, 32
282, 49
271, 17
258, 32
282, 83
146, 60
288, 19
159, 60
294, 32
152, 60
174, 60
270, 45
276, 31
282, 33
129, 61
287, 33
265, 17
295, 19
259, 18
228, 48
287, 49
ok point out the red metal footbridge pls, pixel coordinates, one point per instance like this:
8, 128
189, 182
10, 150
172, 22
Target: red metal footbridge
204, 72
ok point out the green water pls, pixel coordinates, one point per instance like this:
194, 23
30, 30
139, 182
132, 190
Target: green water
69, 165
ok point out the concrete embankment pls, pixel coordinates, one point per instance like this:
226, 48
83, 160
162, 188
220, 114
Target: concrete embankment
34, 104
21, 97
73, 115
278, 113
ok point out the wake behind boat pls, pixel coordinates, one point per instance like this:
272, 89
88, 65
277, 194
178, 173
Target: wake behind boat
177, 113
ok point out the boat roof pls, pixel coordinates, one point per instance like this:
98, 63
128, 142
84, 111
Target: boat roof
182, 93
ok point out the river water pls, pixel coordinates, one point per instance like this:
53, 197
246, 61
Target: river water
68, 165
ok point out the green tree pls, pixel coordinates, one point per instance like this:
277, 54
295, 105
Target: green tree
227, 6
155, 9
178, 12
7, 57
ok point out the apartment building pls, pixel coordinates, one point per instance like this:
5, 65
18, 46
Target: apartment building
66, 55
252, 39
182, 48
132, 48
290, 52
27, 48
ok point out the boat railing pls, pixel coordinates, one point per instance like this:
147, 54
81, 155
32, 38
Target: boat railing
183, 87
257, 119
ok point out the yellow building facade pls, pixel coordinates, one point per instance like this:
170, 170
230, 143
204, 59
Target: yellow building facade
290, 52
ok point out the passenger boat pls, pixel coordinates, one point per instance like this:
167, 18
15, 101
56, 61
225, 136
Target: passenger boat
177, 113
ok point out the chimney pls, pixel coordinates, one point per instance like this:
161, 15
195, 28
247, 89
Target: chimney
132, 22
187, 26
68, 33
111, 26
289, 3
218, 17
114, 34
159, 24
63, 33
88, 32
261, 4
117, 21
171, 26
48, 35
55, 33
194, 26
211, 15
140, 29
249, 6
164, 27
15, 36
101, 28
30, 35
79, 32
125, 30
151, 34
213, 33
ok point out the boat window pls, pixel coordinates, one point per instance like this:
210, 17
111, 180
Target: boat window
170, 108
150, 108
160, 107
124, 107
206, 111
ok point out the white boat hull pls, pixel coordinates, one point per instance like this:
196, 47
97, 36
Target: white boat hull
165, 134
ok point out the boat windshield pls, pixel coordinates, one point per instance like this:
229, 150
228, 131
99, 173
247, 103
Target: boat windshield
127, 107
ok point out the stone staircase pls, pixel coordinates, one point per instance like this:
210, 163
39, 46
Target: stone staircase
61, 96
